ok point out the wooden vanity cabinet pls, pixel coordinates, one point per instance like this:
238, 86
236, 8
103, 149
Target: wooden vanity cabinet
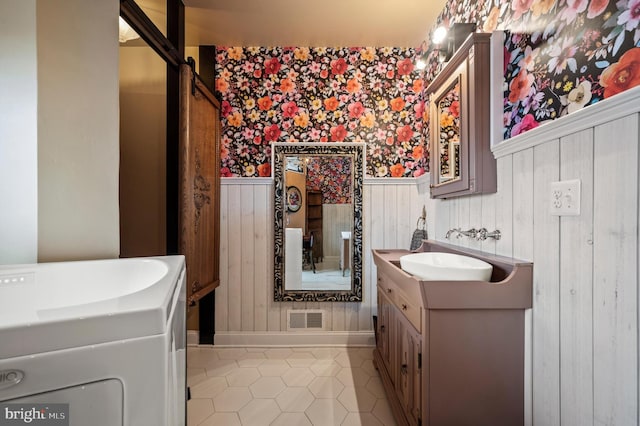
451, 353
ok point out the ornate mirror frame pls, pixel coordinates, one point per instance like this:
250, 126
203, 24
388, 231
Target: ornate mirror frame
279, 153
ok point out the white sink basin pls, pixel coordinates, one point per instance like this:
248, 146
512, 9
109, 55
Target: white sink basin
436, 266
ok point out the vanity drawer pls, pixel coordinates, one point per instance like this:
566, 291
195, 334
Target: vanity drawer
409, 310
385, 286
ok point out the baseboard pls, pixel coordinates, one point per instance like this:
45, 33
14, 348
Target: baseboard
297, 339
193, 337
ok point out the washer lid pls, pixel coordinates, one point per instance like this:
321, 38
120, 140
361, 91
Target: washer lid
58, 305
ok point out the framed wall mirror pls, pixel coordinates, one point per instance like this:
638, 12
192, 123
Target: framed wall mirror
459, 123
318, 242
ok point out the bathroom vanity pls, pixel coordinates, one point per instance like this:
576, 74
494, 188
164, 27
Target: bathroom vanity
452, 352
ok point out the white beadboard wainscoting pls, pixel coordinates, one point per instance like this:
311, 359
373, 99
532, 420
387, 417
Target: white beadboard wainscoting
245, 311
584, 321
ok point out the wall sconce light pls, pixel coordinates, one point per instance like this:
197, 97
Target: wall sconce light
446, 42
125, 32
422, 57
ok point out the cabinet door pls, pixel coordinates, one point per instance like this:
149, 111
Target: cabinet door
403, 383
384, 331
416, 378
409, 369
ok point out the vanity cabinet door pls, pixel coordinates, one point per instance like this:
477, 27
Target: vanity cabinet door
416, 379
409, 381
385, 331
403, 383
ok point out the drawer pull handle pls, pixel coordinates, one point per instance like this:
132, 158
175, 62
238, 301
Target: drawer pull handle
404, 307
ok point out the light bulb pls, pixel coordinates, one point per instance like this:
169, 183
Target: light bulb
439, 35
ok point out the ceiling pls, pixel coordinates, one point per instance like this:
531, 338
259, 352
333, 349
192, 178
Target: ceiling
328, 23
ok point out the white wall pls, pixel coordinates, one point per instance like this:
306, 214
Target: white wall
77, 42
18, 133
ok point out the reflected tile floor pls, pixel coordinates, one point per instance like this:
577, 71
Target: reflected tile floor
285, 386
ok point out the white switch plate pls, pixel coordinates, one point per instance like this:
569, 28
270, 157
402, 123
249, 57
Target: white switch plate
564, 198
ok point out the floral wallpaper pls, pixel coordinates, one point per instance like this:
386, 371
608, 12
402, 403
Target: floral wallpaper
560, 55
331, 176
289, 94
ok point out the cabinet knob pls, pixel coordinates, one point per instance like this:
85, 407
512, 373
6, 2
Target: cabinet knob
388, 290
404, 307
382, 328
403, 369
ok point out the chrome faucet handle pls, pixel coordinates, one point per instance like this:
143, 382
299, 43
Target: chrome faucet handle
495, 235
483, 234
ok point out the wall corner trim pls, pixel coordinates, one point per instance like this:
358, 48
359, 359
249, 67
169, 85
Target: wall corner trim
621, 105
389, 181
246, 181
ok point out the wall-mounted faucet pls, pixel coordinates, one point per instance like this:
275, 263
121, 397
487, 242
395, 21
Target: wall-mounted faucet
479, 234
471, 233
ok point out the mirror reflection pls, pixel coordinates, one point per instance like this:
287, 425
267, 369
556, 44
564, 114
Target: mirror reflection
448, 107
318, 233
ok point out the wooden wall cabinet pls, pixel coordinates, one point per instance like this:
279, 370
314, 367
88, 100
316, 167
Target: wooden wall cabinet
461, 161
451, 353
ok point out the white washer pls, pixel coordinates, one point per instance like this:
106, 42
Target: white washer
106, 337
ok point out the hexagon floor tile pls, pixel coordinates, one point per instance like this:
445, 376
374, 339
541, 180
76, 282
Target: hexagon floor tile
285, 386
326, 387
259, 412
326, 412
292, 419
267, 387
295, 400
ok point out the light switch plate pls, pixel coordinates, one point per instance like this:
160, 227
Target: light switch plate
564, 198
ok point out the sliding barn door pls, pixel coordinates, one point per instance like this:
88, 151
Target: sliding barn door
199, 185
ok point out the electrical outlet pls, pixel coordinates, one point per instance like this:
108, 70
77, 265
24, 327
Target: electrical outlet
565, 198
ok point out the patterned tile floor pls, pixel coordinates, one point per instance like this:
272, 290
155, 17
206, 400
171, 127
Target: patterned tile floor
285, 386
